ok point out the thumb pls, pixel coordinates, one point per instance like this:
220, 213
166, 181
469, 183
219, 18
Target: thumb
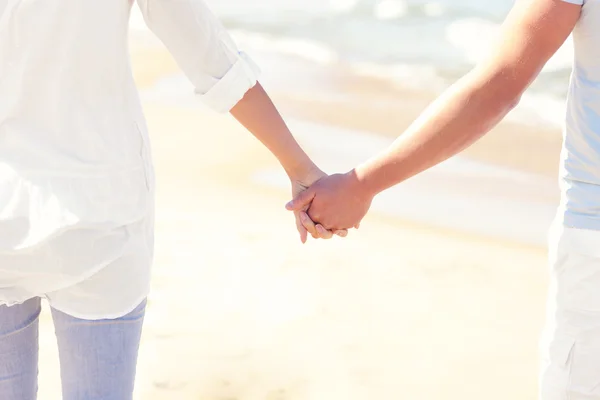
302, 201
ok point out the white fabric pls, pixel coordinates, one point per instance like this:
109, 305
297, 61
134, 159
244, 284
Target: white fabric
76, 176
580, 155
571, 343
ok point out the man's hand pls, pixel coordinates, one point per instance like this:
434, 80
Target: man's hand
303, 223
334, 202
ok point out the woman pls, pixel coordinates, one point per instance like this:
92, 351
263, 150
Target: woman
76, 178
533, 32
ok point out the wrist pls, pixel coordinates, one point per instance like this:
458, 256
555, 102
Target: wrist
302, 171
366, 184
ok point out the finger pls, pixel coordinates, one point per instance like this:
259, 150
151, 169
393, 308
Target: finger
357, 225
301, 229
308, 224
341, 232
324, 233
302, 201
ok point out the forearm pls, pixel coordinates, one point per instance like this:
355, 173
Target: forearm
258, 114
456, 120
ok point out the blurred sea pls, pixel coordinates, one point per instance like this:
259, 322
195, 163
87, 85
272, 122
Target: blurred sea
416, 44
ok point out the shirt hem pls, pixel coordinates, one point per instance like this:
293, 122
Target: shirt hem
72, 282
580, 222
102, 316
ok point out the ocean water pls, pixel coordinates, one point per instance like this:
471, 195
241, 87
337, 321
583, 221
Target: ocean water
448, 34
408, 42
419, 44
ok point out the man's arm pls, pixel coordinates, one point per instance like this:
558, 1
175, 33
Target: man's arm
531, 34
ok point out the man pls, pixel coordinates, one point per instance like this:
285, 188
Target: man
532, 33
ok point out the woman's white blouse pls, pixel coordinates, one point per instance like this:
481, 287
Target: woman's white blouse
76, 176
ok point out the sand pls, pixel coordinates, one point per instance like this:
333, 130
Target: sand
240, 310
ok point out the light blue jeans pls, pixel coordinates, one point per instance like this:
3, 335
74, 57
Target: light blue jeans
97, 358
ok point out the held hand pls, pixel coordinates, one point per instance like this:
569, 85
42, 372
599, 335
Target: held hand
303, 222
335, 202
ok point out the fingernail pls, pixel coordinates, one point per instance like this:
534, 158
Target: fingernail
288, 204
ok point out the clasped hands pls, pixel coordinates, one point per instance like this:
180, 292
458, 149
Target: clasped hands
328, 205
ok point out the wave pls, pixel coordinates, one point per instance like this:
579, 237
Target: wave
428, 51
303, 48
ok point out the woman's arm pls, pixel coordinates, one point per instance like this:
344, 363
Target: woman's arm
532, 33
226, 80
258, 114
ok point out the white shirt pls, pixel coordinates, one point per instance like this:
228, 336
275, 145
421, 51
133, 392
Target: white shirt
580, 156
76, 176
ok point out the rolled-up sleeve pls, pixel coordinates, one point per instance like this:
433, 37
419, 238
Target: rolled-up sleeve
220, 73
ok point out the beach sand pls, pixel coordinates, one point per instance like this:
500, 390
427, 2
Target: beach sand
240, 310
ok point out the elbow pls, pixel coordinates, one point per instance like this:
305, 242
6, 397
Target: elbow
513, 101
510, 86
504, 96
507, 89
502, 103
501, 88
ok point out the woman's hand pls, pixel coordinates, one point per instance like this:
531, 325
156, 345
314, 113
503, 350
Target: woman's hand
301, 182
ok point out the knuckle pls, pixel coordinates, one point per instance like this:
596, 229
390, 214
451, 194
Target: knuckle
315, 216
